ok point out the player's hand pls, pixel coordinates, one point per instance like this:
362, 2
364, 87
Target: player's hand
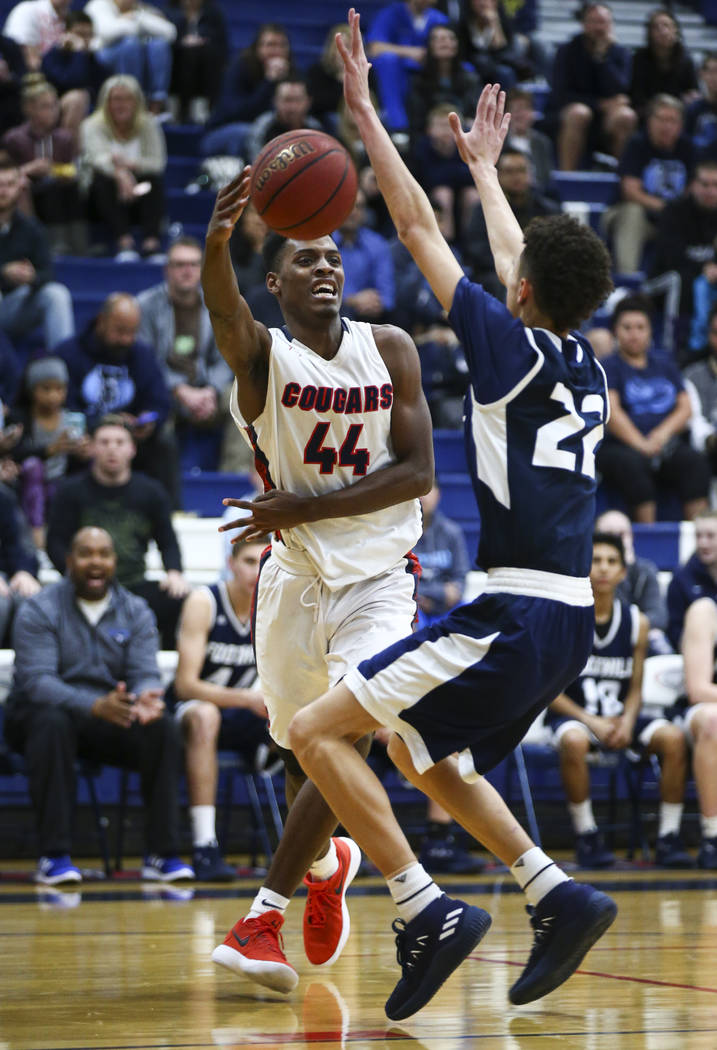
602, 728
356, 66
149, 706
231, 201
174, 584
484, 141
621, 734
270, 512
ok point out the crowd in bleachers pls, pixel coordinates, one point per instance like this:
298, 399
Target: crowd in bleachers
118, 122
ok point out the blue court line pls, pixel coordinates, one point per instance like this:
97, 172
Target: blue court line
617, 885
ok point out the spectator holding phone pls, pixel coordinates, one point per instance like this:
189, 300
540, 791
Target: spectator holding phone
54, 440
110, 370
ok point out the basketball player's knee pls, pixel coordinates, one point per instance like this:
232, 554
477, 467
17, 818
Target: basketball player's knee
301, 735
705, 726
574, 745
201, 723
672, 743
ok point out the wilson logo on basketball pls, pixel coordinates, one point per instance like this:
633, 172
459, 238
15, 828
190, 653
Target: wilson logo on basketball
283, 160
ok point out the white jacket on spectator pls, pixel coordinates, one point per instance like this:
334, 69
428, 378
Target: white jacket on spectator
111, 24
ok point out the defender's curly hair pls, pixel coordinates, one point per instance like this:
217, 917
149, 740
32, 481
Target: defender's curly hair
569, 268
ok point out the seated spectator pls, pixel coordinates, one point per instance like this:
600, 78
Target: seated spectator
112, 371
369, 288
123, 148
18, 568
444, 375
175, 323
75, 70
655, 169
396, 46
663, 66
685, 242
216, 696
135, 39
647, 441
523, 137
443, 174
697, 578
489, 44
248, 90
46, 155
245, 246
134, 509
36, 25
325, 79
442, 552
40, 26
53, 443
699, 639
87, 685
602, 710
199, 58
10, 371
29, 295
514, 176
701, 383
290, 112
701, 115
640, 585
12, 71
443, 78
590, 90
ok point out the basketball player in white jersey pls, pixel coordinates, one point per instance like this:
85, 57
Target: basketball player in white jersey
342, 439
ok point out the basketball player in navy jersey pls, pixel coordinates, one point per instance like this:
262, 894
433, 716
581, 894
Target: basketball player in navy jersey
215, 695
335, 413
602, 708
474, 682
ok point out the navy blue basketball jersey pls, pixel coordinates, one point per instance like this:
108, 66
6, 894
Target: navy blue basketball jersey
230, 655
536, 410
604, 681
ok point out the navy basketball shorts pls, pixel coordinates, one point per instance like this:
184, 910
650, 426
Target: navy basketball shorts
475, 681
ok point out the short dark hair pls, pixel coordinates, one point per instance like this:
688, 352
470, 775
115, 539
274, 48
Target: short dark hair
569, 268
185, 241
612, 540
237, 548
271, 249
637, 303
112, 419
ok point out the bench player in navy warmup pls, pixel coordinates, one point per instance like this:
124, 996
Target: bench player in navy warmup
473, 682
341, 433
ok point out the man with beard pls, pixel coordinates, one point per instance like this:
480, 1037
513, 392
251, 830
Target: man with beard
87, 685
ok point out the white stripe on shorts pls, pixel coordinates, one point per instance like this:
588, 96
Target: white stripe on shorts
409, 678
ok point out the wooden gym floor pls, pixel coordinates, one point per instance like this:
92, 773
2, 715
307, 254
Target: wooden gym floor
125, 966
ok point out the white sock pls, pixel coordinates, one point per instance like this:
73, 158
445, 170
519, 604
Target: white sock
325, 866
412, 890
709, 827
670, 818
267, 900
581, 814
203, 820
537, 874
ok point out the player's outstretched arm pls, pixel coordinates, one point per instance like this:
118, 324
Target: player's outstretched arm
243, 342
409, 206
480, 148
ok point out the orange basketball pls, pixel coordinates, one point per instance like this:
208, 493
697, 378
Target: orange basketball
303, 184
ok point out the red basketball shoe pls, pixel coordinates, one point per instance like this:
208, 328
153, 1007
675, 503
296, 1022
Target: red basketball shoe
326, 917
255, 948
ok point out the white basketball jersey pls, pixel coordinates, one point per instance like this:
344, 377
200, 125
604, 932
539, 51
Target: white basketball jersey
325, 425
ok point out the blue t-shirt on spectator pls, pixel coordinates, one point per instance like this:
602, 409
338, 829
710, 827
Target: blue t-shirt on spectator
646, 394
663, 173
395, 24
368, 264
